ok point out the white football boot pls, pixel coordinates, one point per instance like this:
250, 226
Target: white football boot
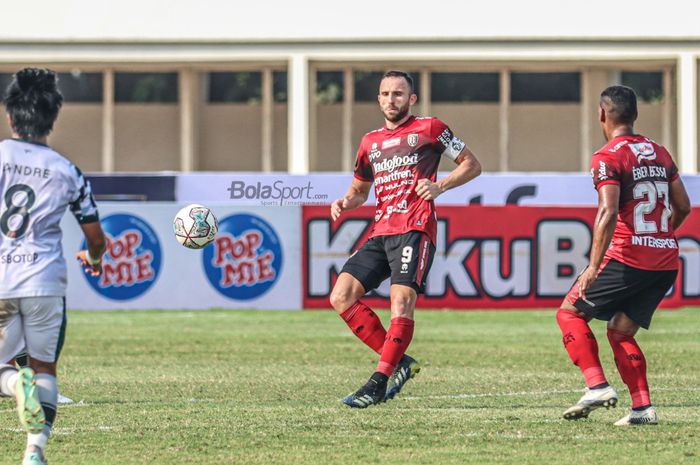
640, 417
591, 400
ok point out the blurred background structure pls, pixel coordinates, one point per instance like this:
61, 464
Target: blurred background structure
270, 86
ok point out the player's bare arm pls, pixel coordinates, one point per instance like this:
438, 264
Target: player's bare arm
603, 228
91, 258
467, 169
355, 197
680, 203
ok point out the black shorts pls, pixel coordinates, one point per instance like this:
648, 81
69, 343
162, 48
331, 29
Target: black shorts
619, 287
405, 257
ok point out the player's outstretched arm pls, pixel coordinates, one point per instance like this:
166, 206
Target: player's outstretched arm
467, 169
91, 258
355, 196
680, 203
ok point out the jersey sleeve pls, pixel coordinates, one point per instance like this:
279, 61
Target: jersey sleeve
83, 206
363, 168
447, 144
605, 170
673, 171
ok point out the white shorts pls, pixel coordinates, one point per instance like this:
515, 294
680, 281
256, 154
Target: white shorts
34, 323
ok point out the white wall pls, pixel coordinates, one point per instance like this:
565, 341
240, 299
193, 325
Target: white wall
265, 20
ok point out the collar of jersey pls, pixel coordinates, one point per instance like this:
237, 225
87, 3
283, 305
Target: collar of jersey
26, 141
410, 118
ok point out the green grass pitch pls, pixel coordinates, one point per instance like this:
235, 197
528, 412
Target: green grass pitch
246, 387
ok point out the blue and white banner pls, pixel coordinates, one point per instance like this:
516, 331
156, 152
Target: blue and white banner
254, 261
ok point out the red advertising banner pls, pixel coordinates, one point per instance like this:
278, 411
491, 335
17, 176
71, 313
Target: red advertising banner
486, 257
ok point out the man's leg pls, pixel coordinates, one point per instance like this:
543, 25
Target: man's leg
367, 326
632, 365
363, 271
47, 390
400, 333
582, 347
629, 358
11, 340
411, 257
44, 323
22, 361
362, 321
398, 337
407, 259
581, 344
20, 384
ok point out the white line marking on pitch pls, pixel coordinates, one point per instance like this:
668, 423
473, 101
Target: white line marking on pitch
528, 393
495, 394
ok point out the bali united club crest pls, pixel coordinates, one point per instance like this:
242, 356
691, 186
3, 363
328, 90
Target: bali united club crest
412, 140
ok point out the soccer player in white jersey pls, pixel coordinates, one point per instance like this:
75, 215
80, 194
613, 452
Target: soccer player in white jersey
37, 185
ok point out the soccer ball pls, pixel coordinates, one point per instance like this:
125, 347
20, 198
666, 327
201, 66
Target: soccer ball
195, 226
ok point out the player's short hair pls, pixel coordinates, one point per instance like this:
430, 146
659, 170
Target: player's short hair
401, 74
623, 100
33, 101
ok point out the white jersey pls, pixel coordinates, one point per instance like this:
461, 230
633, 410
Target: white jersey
37, 184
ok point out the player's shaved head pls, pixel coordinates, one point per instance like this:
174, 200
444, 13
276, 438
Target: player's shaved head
620, 104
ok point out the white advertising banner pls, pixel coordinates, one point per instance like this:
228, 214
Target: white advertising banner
489, 189
254, 261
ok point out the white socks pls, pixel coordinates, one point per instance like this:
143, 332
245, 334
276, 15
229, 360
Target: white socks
8, 380
48, 396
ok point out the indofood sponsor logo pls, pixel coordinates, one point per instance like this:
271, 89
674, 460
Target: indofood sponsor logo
390, 164
131, 263
246, 258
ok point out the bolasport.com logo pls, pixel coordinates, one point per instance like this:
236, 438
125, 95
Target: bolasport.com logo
131, 263
245, 260
276, 193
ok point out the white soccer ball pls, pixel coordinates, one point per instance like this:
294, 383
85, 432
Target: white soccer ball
195, 226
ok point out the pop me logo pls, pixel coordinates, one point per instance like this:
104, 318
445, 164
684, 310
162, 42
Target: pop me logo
123, 265
243, 264
246, 258
131, 263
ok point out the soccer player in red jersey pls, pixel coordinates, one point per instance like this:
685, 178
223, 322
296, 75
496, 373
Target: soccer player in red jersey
401, 159
633, 259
